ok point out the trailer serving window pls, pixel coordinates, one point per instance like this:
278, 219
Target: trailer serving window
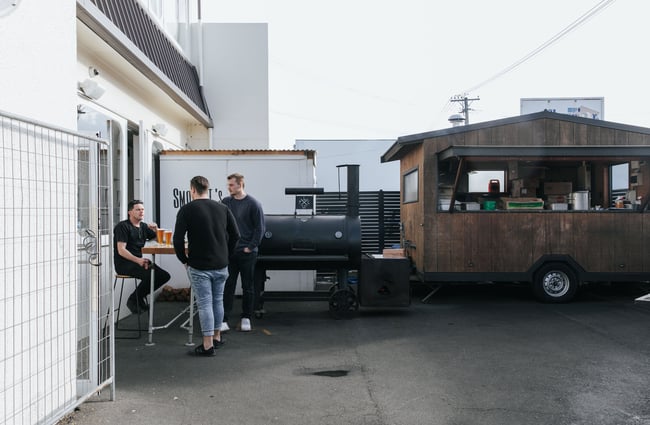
554, 178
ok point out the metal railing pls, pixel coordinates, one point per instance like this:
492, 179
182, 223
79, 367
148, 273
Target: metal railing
56, 314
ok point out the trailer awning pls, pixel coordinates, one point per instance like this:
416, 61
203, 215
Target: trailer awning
547, 152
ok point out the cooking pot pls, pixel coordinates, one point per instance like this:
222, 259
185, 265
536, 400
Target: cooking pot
580, 200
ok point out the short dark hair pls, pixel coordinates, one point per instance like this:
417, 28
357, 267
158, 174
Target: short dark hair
200, 184
239, 178
133, 203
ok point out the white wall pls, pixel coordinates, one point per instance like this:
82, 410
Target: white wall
266, 177
37, 82
236, 87
38, 67
373, 175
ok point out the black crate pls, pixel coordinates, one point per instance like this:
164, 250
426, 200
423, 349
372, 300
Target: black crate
384, 282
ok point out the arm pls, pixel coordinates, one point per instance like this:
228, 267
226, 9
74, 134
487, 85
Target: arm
151, 230
233, 232
178, 240
257, 218
121, 249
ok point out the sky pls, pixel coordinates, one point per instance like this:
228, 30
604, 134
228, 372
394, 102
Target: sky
381, 69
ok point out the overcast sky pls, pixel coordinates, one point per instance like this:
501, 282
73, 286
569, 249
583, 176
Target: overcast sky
380, 69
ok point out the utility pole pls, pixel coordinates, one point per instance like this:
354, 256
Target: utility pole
465, 100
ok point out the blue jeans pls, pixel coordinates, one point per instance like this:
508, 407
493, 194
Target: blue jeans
208, 292
244, 264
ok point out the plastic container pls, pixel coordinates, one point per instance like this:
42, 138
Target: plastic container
489, 205
494, 186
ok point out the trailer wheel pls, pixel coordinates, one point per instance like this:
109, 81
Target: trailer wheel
343, 304
555, 283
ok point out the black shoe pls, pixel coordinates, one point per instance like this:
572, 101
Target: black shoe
217, 344
143, 305
202, 352
132, 305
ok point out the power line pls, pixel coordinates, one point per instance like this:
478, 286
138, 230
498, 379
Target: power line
582, 19
573, 25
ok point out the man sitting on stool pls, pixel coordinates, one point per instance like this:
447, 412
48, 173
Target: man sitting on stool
129, 237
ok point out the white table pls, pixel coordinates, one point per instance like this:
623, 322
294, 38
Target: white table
645, 298
154, 249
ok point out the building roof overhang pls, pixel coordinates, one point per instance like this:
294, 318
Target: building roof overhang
180, 81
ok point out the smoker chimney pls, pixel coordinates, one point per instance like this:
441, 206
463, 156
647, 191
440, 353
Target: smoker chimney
353, 189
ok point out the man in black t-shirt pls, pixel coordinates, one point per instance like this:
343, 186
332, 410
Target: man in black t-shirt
129, 236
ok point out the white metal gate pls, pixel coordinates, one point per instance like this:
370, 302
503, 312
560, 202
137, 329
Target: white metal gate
56, 315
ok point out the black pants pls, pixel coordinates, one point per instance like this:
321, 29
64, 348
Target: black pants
136, 271
244, 264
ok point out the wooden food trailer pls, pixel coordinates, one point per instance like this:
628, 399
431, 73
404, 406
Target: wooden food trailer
547, 209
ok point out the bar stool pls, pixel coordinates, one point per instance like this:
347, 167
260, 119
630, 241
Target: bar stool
119, 306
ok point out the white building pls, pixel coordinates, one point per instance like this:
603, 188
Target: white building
142, 76
373, 174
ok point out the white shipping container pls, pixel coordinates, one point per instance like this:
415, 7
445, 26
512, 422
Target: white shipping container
267, 173
585, 107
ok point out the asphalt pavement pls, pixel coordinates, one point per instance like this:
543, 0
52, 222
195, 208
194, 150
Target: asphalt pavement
472, 354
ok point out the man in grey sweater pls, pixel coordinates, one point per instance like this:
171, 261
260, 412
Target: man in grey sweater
250, 221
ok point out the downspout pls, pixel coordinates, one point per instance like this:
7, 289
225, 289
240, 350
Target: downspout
201, 52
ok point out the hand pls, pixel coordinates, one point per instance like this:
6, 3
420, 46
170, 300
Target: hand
153, 226
247, 250
145, 263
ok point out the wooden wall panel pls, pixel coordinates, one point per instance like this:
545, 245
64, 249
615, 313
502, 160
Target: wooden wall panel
412, 213
620, 137
607, 136
566, 136
514, 241
593, 136
636, 139
524, 133
553, 133
580, 134
539, 132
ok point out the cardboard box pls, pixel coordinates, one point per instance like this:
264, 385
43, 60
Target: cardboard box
394, 253
557, 188
522, 203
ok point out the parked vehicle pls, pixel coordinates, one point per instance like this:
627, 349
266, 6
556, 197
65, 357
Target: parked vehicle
558, 219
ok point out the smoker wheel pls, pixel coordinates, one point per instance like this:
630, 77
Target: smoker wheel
343, 304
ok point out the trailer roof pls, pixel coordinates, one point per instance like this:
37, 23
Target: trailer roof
573, 152
405, 143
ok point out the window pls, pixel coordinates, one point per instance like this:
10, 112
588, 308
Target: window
479, 180
410, 186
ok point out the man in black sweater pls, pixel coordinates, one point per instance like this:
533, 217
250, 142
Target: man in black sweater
211, 237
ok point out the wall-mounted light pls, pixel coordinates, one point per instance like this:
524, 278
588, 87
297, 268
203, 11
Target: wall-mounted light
159, 129
92, 72
91, 88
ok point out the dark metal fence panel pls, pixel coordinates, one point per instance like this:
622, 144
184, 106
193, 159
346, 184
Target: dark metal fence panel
379, 213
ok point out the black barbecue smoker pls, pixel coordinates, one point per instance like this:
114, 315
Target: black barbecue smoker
332, 242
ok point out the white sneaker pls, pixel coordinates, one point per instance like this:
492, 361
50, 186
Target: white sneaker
245, 325
224, 327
